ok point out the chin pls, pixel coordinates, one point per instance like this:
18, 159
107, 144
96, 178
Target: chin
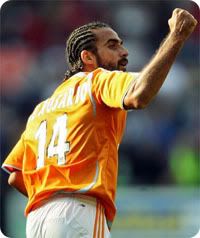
122, 68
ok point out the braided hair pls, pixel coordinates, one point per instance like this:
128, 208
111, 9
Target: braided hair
80, 39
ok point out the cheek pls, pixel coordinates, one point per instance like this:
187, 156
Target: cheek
110, 58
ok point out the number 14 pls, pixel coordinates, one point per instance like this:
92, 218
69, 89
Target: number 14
58, 149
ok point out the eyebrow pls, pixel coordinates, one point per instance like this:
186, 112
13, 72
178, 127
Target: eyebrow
114, 41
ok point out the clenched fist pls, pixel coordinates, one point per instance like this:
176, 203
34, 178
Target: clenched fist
182, 23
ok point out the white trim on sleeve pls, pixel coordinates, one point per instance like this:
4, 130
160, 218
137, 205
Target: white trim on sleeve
135, 76
6, 167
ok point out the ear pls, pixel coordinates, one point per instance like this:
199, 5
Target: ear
87, 57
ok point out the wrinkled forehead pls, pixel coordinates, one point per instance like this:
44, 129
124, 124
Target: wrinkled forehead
105, 35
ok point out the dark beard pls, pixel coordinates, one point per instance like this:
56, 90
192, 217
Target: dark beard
108, 66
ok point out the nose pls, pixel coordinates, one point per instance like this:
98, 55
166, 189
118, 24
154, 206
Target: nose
124, 52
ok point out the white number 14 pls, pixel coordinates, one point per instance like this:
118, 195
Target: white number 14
58, 149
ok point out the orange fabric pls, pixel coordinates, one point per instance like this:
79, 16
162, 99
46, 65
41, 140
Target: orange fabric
71, 139
99, 222
102, 224
96, 220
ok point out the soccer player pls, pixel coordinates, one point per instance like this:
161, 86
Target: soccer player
66, 160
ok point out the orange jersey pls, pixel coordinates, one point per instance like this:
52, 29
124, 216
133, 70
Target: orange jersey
70, 143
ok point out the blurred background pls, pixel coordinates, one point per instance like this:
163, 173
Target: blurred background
159, 174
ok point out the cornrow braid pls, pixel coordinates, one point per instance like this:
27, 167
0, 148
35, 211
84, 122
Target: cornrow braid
80, 39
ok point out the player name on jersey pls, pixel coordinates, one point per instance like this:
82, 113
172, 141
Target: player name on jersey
62, 100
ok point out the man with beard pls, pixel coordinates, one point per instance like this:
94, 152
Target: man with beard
66, 160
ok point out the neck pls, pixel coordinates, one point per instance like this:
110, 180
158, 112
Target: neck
89, 68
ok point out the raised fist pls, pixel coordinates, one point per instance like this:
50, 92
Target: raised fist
182, 23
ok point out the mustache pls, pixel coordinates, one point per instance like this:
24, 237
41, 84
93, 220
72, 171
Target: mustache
123, 61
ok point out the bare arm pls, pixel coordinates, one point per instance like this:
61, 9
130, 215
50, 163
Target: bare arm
153, 75
16, 181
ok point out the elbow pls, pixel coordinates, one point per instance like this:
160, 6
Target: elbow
135, 103
16, 181
12, 179
140, 104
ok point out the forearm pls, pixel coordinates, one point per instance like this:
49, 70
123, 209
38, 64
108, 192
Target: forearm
16, 181
151, 78
154, 74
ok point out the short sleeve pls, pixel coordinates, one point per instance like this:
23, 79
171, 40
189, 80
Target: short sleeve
110, 87
14, 160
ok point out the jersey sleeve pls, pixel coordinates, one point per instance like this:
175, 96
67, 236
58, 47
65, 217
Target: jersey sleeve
14, 160
110, 87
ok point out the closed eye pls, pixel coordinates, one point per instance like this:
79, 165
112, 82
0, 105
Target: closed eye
112, 43
113, 46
